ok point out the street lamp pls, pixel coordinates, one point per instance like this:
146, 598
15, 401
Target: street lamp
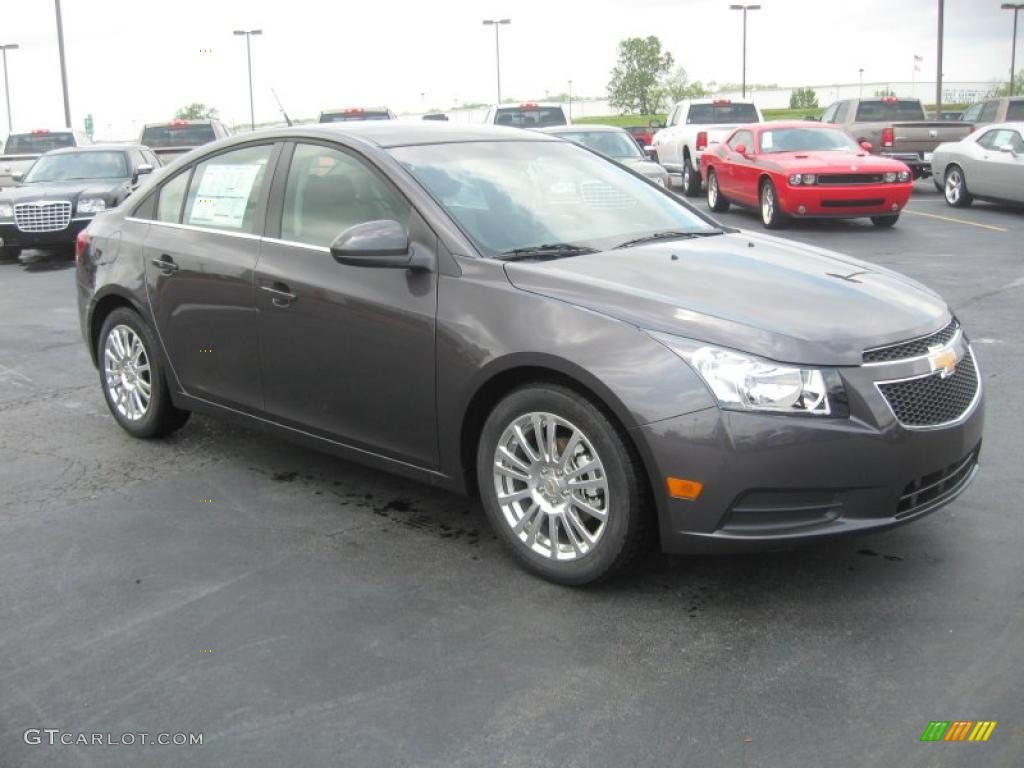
860, 72
7, 87
248, 53
496, 23
744, 8
1016, 8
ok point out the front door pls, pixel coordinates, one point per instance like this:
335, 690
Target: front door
347, 352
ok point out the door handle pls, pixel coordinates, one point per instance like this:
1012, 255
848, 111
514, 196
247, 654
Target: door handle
282, 297
165, 264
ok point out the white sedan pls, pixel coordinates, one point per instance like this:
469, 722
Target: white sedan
985, 165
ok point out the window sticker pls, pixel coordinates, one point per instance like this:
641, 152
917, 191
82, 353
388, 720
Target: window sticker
223, 195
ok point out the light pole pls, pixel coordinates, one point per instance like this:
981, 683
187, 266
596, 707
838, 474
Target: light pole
63, 66
744, 8
860, 72
7, 87
248, 53
938, 63
496, 23
1015, 7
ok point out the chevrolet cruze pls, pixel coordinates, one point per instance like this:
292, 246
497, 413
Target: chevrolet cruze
503, 313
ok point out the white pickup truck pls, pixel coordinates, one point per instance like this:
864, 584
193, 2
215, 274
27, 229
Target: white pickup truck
693, 126
22, 149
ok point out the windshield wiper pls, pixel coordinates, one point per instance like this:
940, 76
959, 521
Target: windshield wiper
667, 235
552, 250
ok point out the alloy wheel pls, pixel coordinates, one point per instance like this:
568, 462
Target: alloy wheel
127, 373
713, 190
767, 205
954, 186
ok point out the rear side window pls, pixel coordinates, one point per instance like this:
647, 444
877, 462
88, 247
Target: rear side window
988, 112
889, 111
1015, 110
998, 138
714, 114
530, 117
225, 190
177, 135
172, 195
37, 143
329, 191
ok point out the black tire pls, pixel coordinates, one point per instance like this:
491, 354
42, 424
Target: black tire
160, 417
626, 527
954, 188
691, 178
716, 200
885, 221
771, 216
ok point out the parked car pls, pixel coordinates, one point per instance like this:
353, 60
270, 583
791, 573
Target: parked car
441, 116
642, 134
529, 115
694, 126
22, 149
987, 165
614, 143
356, 114
64, 189
896, 128
950, 114
501, 312
173, 138
1004, 110
793, 169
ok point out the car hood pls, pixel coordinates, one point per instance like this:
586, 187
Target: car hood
827, 162
759, 294
63, 190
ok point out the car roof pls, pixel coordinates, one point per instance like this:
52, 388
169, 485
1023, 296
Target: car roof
791, 124
180, 120
520, 105
96, 148
582, 128
1013, 125
394, 133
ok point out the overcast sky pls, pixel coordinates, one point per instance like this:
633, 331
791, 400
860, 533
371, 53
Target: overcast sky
133, 61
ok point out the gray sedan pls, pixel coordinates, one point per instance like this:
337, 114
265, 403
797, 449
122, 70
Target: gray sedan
615, 143
985, 165
502, 313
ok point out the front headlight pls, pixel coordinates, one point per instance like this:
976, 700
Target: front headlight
6, 211
890, 177
904, 176
748, 383
92, 205
795, 179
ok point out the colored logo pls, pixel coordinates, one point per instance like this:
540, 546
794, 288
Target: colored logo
944, 361
958, 730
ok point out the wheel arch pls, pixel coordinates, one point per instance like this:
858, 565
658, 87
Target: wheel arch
102, 306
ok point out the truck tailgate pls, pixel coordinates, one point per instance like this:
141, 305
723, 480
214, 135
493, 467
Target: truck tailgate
926, 136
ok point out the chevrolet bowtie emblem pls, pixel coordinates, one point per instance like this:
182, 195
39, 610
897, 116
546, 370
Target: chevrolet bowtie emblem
943, 360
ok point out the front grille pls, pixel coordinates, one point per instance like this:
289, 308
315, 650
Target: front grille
940, 484
45, 217
913, 348
850, 178
864, 202
929, 401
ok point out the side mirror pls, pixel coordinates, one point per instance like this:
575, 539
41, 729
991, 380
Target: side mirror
378, 244
866, 146
17, 177
144, 168
741, 148
1008, 148
656, 124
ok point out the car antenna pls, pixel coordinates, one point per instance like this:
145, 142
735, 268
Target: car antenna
281, 107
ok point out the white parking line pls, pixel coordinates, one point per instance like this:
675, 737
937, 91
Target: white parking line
956, 221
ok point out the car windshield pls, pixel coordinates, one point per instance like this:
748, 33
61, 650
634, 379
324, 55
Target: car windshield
880, 111
177, 135
530, 117
512, 195
354, 115
608, 143
37, 143
78, 165
718, 114
806, 140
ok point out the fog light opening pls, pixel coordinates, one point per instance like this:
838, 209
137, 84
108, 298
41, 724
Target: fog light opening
678, 488
895, 207
802, 209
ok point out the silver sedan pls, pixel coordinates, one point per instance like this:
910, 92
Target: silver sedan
616, 143
985, 165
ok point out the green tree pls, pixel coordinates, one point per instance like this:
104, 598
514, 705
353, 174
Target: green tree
803, 98
196, 111
1004, 88
676, 86
634, 86
881, 93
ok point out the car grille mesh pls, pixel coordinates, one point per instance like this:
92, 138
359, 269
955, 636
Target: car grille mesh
48, 217
912, 348
931, 400
849, 178
937, 485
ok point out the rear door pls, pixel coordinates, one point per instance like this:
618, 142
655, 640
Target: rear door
200, 256
742, 183
347, 352
1000, 172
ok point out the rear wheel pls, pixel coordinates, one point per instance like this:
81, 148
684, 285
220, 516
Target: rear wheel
691, 178
955, 188
716, 202
133, 379
561, 486
885, 221
771, 216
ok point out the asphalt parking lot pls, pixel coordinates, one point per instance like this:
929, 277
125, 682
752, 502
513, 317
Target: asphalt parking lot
299, 611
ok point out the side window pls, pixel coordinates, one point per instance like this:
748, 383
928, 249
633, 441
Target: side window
972, 112
842, 111
673, 119
151, 158
742, 137
830, 113
988, 112
225, 190
1017, 142
136, 158
329, 191
172, 195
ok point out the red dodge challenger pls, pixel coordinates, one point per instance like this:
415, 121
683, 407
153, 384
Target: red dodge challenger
801, 170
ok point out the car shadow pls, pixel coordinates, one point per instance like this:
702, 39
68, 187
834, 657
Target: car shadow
46, 261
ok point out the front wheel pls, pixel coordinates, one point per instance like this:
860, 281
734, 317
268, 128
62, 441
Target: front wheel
691, 179
716, 202
133, 379
771, 216
955, 190
561, 486
885, 221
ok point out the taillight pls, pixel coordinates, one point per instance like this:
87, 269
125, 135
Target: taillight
81, 244
702, 140
887, 137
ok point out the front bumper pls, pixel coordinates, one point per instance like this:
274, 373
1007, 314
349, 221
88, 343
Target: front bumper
776, 481
919, 167
13, 237
842, 201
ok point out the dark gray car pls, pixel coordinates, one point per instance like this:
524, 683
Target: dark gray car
500, 312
